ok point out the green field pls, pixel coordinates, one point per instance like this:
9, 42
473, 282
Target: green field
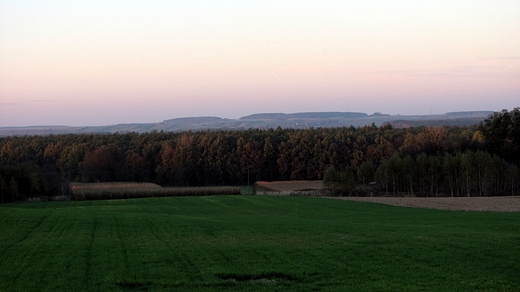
254, 243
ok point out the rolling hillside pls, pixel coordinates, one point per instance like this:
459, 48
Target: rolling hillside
264, 121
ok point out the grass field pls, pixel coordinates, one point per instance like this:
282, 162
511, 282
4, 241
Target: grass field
290, 185
254, 243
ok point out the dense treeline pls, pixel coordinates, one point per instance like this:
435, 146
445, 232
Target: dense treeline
44, 165
488, 166
463, 174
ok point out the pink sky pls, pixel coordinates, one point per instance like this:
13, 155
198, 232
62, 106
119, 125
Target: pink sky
97, 63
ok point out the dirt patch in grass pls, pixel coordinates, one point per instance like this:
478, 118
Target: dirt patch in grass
264, 278
494, 204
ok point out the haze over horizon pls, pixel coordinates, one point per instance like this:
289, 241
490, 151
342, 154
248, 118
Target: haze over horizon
80, 63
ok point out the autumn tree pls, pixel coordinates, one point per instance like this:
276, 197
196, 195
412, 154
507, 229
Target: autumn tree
502, 134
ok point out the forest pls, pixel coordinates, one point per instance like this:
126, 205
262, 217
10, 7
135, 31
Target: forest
482, 160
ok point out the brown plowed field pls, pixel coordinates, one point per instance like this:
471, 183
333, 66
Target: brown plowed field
494, 204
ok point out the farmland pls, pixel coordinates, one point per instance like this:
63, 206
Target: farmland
291, 188
132, 190
315, 188
254, 243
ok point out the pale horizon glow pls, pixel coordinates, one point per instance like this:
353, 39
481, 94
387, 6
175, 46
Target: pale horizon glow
88, 63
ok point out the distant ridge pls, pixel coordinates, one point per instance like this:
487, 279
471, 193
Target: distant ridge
469, 114
302, 120
191, 120
304, 115
459, 122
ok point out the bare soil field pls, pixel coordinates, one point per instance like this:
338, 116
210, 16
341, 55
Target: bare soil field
494, 204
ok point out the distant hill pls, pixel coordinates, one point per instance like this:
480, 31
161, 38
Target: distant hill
193, 120
459, 122
309, 115
476, 114
460, 119
302, 120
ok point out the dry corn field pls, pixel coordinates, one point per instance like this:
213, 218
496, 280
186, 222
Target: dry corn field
113, 186
127, 190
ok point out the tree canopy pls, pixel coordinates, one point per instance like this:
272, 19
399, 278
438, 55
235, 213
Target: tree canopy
419, 160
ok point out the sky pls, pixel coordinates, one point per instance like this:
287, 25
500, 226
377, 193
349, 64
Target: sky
87, 63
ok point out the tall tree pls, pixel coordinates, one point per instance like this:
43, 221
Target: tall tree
502, 134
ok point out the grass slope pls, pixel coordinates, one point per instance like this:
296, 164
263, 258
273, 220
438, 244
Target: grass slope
249, 243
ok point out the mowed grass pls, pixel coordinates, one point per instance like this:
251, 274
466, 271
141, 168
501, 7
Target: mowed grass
254, 243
